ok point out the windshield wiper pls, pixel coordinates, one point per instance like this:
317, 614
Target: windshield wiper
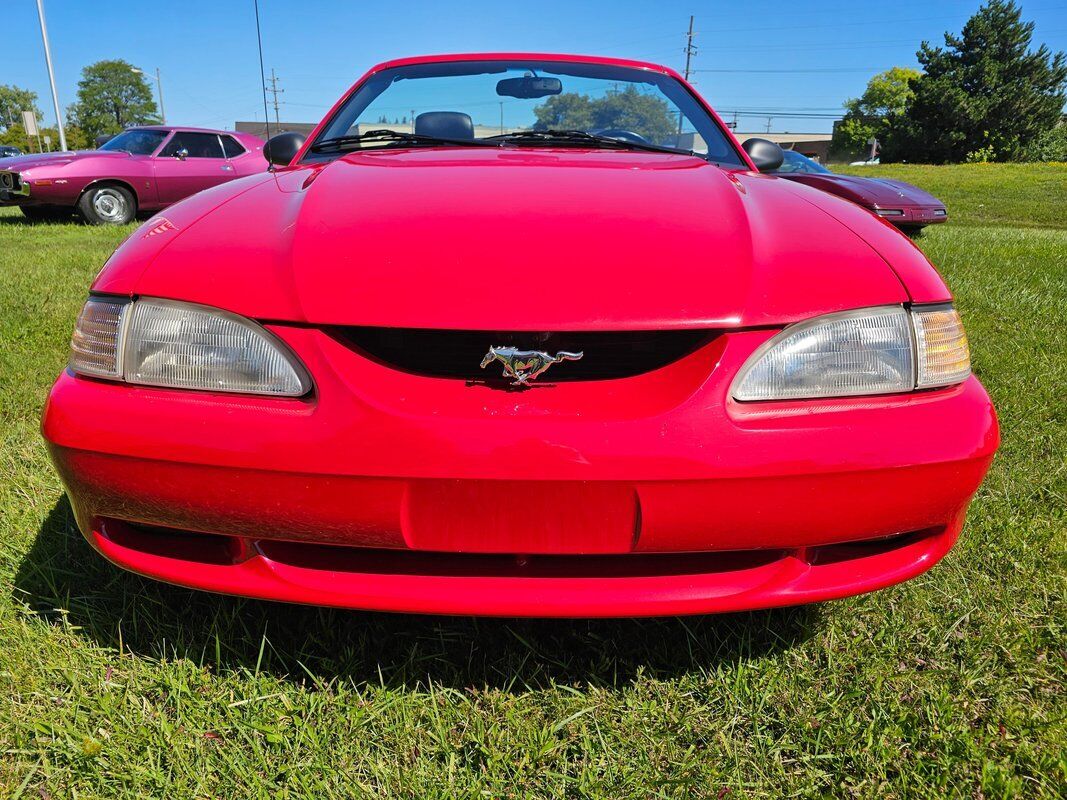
386, 135
583, 137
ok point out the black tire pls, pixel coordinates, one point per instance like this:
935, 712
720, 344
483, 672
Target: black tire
107, 204
45, 213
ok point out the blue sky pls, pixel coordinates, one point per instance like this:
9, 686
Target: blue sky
818, 53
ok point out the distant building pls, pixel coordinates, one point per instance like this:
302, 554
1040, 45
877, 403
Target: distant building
305, 128
260, 128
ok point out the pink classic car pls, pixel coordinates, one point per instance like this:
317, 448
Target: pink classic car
141, 169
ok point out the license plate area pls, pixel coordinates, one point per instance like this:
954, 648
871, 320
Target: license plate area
522, 517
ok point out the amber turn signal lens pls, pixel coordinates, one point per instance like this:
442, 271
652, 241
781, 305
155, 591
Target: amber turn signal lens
941, 343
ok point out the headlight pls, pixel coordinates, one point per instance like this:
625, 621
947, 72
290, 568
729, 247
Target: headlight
870, 351
183, 346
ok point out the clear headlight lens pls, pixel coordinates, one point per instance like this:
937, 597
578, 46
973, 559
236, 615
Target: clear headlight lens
183, 346
870, 351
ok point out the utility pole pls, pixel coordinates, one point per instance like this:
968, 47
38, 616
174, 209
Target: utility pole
51, 75
690, 51
501, 117
275, 91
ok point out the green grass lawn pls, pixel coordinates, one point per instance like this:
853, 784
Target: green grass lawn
951, 685
1011, 195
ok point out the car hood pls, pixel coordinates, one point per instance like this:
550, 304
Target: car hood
881, 192
37, 160
515, 240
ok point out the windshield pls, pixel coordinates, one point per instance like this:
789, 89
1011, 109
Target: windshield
795, 162
492, 102
139, 142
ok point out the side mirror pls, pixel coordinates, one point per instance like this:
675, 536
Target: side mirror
181, 154
765, 154
280, 150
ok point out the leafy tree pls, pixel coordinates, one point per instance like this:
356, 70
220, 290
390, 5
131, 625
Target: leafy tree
112, 96
13, 101
887, 94
1049, 146
565, 112
627, 109
985, 93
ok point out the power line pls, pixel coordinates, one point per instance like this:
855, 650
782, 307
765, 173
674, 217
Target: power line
275, 91
798, 71
690, 51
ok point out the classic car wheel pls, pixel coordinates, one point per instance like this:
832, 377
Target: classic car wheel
45, 214
107, 205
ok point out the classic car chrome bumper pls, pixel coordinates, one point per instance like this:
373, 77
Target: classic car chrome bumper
12, 187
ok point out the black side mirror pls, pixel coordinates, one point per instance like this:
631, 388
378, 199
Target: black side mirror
280, 150
765, 154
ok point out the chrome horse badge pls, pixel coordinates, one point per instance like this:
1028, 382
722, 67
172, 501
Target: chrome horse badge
525, 365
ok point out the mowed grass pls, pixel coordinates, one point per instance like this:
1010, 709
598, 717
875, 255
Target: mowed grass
951, 685
1011, 195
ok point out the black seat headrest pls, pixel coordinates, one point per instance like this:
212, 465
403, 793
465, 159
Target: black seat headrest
445, 125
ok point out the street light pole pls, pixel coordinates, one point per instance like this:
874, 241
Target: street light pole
159, 87
51, 75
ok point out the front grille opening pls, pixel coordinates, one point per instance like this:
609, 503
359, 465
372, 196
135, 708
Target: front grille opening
458, 354
203, 548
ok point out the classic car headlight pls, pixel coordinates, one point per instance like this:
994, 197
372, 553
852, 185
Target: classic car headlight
182, 346
870, 351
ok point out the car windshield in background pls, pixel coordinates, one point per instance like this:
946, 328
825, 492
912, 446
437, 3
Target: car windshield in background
139, 143
795, 162
526, 103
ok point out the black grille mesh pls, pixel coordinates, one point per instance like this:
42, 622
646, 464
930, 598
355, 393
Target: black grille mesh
457, 354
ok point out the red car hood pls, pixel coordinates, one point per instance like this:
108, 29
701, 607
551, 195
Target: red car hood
516, 239
38, 160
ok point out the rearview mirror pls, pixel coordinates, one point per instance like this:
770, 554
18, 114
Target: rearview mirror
280, 150
765, 154
528, 88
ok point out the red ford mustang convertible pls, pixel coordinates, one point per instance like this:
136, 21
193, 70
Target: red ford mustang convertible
551, 345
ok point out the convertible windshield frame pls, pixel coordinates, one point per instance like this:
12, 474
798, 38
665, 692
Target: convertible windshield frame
722, 147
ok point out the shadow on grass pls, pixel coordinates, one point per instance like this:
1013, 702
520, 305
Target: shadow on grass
22, 219
63, 581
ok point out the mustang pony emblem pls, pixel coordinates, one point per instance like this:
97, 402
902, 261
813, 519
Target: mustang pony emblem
525, 365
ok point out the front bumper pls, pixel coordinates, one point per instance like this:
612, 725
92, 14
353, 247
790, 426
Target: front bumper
918, 216
13, 189
393, 491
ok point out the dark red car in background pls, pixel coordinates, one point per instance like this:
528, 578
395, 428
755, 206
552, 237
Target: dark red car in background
906, 206
141, 169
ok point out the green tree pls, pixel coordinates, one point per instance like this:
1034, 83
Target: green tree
625, 109
985, 92
110, 97
1048, 146
887, 94
13, 101
565, 111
